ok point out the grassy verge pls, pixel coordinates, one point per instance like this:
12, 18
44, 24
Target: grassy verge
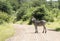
6, 31
54, 25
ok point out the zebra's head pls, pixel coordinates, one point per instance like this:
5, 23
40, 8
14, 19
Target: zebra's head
33, 19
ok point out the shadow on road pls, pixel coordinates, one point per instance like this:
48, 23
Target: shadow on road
57, 29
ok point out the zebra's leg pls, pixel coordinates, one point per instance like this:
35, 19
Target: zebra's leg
36, 30
44, 29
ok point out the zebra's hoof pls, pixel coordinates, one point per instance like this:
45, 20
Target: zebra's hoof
44, 32
36, 32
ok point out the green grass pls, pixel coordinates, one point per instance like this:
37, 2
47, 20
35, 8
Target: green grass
22, 22
54, 25
6, 31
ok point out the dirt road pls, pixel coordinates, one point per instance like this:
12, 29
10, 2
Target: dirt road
26, 33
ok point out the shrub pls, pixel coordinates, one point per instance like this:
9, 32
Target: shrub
4, 17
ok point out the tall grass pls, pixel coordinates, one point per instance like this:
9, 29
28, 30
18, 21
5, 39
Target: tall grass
6, 31
54, 25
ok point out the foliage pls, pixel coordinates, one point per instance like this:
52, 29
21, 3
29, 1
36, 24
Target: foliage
23, 10
5, 6
4, 17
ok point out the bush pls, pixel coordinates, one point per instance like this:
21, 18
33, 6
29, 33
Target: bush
4, 17
5, 7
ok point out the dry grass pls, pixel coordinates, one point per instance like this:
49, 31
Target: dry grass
6, 30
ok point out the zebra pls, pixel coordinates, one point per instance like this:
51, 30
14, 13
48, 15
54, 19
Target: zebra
39, 23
